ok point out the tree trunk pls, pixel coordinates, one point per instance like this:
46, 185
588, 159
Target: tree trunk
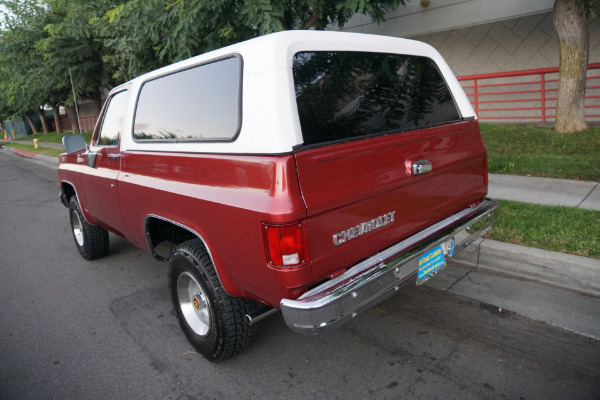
57, 119
74, 121
97, 100
31, 124
311, 20
40, 114
570, 22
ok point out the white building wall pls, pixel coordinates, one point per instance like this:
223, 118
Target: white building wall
414, 19
480, 36
508, 45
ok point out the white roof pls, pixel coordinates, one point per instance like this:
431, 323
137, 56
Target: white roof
267, 108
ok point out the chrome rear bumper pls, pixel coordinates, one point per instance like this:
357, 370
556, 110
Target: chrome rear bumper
373, 280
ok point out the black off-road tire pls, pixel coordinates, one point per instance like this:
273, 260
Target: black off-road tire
91, 240
212, 320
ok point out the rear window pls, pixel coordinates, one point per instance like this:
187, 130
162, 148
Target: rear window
345, 95
196, 104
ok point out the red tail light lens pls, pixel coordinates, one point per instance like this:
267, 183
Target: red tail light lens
285, 244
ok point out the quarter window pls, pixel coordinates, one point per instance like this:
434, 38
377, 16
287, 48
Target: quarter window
346, 95
197, 104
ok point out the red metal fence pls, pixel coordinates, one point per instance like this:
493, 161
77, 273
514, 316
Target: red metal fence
525, 95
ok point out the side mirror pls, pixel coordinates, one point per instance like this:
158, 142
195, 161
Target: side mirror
74, 143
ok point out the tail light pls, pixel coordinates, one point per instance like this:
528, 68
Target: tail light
286, 245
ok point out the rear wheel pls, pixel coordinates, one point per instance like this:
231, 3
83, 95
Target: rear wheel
212, 320
91, 240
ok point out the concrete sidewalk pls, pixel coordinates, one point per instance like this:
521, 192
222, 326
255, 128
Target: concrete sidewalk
546, 191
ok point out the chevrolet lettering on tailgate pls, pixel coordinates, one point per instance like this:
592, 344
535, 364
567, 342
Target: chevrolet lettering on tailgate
365, 227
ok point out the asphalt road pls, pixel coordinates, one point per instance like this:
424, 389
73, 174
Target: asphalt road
73, 329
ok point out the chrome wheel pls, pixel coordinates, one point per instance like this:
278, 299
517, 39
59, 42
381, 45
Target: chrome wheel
77, 227
91, 240
212, 320
193, 304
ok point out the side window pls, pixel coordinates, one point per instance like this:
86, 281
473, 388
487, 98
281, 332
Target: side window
110, 130
197, 104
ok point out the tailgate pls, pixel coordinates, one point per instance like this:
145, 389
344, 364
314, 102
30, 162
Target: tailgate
362, 196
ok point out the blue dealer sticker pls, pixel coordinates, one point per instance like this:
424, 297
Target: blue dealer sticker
430, 263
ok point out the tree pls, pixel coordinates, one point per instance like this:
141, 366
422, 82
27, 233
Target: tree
74, 44
21, 82
146, 34
105, 42
41, 43
570, 21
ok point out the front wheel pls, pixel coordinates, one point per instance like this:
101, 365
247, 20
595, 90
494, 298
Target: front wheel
91, 240
212, 320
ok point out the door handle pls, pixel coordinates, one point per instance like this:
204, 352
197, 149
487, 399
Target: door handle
114, 156
421, 167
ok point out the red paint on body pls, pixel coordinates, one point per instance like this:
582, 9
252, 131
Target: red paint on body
226, 199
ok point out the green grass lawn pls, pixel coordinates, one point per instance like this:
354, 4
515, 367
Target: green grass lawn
564, 229
53, 137
541, 151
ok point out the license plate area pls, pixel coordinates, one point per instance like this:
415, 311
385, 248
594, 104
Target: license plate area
433, 261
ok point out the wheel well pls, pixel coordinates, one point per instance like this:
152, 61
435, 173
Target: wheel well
68, 191
163, 236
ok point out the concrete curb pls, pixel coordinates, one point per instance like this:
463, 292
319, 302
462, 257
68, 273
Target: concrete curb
574, 272
42, 159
